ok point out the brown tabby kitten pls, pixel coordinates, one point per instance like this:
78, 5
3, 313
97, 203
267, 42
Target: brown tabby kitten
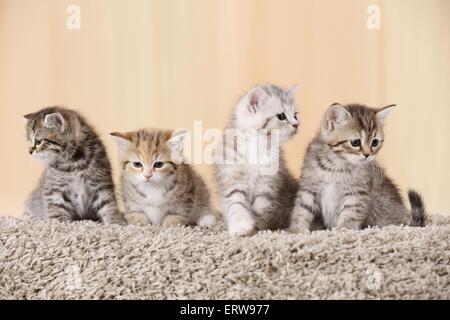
157, 185
77, 182
342, 185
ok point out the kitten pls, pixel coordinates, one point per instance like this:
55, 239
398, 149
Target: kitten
342, 185
156, 182
257, 194
77, 182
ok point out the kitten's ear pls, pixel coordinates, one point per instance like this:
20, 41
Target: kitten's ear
384, 112
28, 116
294, 89
123, 140
256, 98
55, 121
337, 116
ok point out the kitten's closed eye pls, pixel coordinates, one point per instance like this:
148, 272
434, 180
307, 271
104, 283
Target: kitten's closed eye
37, 142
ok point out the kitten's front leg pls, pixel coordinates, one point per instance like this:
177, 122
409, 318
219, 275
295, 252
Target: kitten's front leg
58, 207
136, 218
302, 215
172, 220
106, 207
240, 221
352, 216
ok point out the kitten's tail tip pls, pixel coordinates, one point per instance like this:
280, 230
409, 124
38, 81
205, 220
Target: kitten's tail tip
418, 213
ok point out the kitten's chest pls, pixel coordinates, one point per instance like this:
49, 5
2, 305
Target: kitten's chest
155, 202
151, 195
332, 194
79, 194
331, 198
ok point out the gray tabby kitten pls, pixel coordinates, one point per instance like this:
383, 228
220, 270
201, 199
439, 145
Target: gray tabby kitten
257, 194
157, 187
77, 182
342, 185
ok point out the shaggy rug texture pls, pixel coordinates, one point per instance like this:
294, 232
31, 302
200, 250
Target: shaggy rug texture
52, 260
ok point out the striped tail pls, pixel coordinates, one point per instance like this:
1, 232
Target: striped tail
418, 212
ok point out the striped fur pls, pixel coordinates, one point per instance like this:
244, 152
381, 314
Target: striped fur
171, 195
249, 199
77, 182
342, 185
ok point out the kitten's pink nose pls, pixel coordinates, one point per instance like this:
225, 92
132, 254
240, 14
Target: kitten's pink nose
295, 126
366, 155
147, 177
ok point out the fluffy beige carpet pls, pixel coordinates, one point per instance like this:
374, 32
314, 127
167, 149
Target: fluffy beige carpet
85, 260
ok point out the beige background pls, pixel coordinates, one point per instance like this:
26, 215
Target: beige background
167, 63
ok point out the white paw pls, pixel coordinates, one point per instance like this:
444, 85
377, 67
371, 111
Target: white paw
173, 221
299, 228
241, 227
207, 220
136, 218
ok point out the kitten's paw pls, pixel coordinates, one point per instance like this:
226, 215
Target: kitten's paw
208, 220
172, 220
241, 228
116, 218
299, 228
136, 218
61, 217
348, 226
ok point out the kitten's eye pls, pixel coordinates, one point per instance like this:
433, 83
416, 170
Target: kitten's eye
295, 116
375, 143
158, 164
355, 143
137, 164
281, 116
37, 142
